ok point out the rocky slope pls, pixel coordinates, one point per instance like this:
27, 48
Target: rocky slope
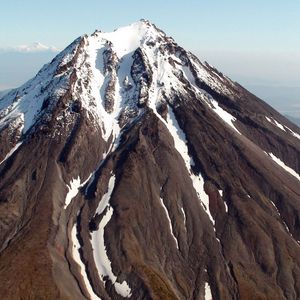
129, 169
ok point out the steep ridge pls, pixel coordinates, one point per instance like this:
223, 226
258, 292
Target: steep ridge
129, 169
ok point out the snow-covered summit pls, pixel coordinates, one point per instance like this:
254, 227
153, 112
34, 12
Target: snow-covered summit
113, 76
128, 38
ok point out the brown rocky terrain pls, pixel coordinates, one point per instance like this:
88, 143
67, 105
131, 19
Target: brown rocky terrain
129, 169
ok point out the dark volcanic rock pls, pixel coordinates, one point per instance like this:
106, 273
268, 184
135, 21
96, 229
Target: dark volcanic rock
142, 76
110, 61
129, 169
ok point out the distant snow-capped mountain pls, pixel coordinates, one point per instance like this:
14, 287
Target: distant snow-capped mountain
32, 48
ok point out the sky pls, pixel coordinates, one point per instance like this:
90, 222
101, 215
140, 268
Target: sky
254, 42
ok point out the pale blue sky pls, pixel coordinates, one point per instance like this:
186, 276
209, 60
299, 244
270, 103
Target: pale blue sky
254, 42
218, 24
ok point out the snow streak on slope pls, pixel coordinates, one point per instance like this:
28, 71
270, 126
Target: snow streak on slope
283, 128
224, 115
181, 146
11, 152
106, 197
184, 216
75, 185
76, 256
169, 220
208, 99
294, 133
225, 204
73, 191
91, 71
284, 166
285, 226
102, 261
179, 138
215, 82
208, 295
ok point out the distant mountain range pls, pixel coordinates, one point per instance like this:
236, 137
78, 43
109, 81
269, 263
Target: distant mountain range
32, 48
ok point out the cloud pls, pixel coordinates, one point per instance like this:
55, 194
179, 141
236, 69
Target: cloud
32, 48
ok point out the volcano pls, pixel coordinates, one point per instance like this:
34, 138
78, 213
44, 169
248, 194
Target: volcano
130, 169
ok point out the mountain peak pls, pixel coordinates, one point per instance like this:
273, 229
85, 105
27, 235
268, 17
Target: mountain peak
127, 38
129, 169
114, 75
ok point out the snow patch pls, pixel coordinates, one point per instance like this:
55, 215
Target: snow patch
184, 216
279, 125
198, 183
102, 261
294, 133
284, 224
128, 38
179, 137
221, 194
284, 166
268, 119
91, 95
226, 207
283, 127
208, 295
224, 115
170, 222
74, 187
106, 197
93, 174
11, 152
214, 81
181, 146
77, 258
73, 191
